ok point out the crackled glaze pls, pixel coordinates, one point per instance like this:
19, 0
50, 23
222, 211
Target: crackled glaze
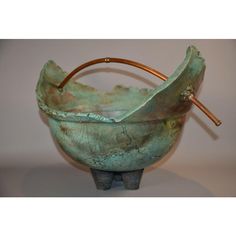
122, 130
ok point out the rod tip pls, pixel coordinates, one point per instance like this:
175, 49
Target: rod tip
218, 123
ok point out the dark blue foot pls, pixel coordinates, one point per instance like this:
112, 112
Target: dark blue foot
103, 179
131, 179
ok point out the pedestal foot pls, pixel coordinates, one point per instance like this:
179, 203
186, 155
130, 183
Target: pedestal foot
131, 179
102, 179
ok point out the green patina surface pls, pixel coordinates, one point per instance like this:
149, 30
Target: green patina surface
125, 129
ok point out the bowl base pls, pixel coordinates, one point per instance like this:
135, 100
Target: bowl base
104, 179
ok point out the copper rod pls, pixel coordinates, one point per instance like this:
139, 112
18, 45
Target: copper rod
108, 60
197, 103
192, 98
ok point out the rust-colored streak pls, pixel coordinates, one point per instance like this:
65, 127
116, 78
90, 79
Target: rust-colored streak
64, 129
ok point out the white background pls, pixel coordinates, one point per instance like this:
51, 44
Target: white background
123, 19
202, 163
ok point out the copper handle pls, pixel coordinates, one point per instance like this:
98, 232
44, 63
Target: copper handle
191, 97
108, 60
197, 103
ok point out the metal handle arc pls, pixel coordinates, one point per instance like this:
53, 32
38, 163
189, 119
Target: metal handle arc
114, 60
191, 97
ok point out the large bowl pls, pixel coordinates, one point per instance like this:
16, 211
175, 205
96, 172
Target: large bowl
126, 129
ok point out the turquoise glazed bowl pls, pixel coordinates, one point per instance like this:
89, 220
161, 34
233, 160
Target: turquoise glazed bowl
118, 133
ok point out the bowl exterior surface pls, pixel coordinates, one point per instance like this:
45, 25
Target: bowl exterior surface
119, 146
125, 130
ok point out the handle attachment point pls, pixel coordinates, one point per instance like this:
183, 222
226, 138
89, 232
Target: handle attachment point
209, 114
